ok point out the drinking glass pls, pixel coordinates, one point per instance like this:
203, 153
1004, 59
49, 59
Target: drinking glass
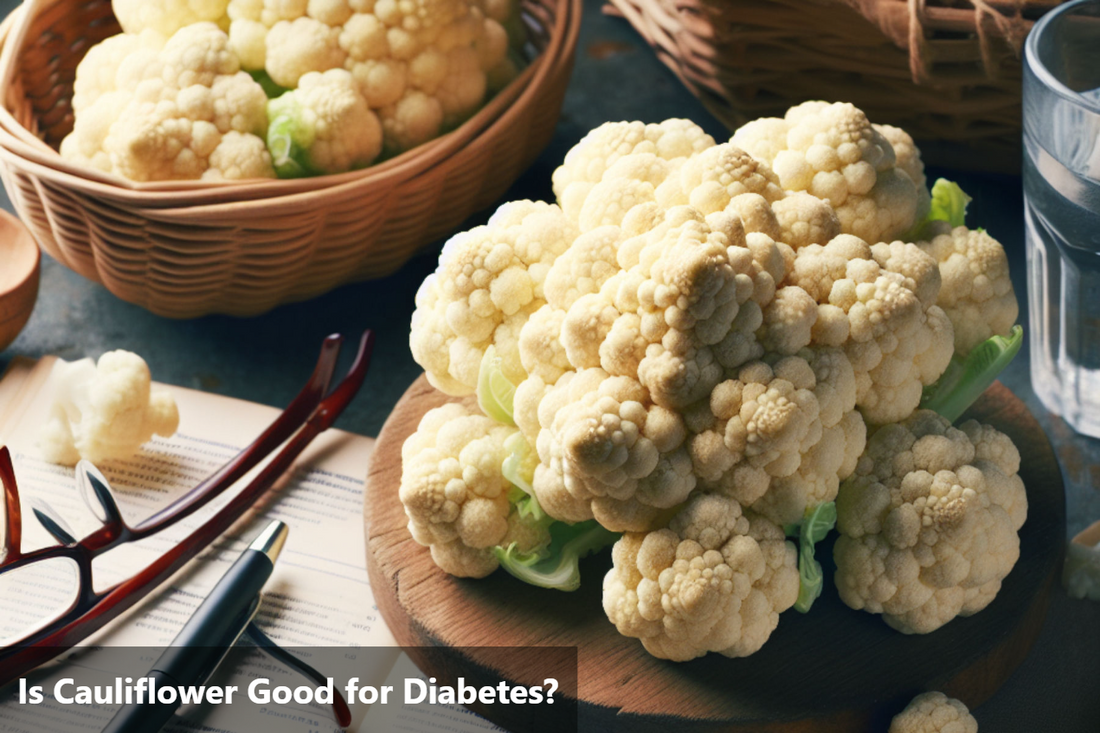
1061, 112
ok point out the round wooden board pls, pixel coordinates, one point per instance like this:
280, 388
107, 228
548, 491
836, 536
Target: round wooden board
833, 669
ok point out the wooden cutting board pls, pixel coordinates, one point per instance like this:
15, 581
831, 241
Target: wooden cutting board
833, 669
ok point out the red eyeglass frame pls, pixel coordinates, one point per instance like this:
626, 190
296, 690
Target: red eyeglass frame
310, 413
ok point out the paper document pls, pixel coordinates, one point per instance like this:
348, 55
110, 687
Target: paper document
319, 594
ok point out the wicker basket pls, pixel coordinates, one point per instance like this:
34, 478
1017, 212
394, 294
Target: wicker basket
948, 71
185, 249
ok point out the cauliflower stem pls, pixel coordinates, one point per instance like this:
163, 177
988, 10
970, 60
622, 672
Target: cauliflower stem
966, 379
271, 89
814, 527
495, 392
555, 566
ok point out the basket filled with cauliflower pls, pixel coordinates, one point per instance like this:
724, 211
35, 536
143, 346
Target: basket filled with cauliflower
230, 155
702, 360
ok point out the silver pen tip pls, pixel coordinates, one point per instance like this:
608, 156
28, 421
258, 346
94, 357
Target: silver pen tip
271, 540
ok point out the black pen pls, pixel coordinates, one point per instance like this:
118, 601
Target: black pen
209, 634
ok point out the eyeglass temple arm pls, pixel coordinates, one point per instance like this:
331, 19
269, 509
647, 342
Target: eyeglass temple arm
340, 708
291, 418
16, 661
13, 536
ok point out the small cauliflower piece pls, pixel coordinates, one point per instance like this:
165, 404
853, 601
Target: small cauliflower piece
715, 580
488, 283
168, 16
977, 293
1081, 574
158, 110
323, 126
455, 495
934, 712
835, 153
104, 411
928, 522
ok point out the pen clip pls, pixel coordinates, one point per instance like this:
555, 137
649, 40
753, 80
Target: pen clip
265, 643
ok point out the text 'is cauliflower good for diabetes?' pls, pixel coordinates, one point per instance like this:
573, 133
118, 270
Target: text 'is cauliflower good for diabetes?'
104, 411
182, 92
691, 348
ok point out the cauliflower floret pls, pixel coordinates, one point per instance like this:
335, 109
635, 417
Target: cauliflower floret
239, 156
715, 580
877, 302
166, 119
116, 63
977, 293
833, 152
295, 48
454, 494
488, 283
168, 16
928, 522
685, 295
105, 411
421, 65
804, 219
1081, 573
323, 126
711, 179
908, 159
934, 712
672, 141
604, 444
782, 436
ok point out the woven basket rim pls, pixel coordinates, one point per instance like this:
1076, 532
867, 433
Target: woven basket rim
155, 199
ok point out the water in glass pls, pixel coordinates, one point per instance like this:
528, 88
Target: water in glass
1062, 211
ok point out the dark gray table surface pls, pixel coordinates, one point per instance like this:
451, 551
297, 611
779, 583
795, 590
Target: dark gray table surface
265, 359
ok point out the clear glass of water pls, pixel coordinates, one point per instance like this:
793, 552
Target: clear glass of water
1061, 109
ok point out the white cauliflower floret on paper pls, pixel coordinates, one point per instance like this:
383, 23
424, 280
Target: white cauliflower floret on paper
928, 522
934, 712
715, 580
455, 495
104, 411
977, 293
177, 109
488, 283
834, 152
878, 303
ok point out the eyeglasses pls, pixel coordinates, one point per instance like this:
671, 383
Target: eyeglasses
51, 624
